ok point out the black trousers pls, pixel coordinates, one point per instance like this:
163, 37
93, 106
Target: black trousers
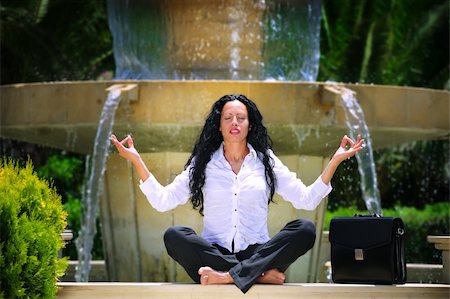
192, 252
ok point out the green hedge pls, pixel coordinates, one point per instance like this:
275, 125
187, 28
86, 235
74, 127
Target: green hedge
31, 221
433, 219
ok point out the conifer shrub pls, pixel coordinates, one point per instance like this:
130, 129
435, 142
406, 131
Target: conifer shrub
31, 221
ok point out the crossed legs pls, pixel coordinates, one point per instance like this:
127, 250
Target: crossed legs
260, 263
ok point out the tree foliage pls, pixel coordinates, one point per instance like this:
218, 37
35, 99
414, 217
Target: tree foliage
54, 40
386, 42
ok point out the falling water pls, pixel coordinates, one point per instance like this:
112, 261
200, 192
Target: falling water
224, 40
93, 186
356, 123
292, 40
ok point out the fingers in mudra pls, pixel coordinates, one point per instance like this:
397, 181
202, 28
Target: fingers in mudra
349, 147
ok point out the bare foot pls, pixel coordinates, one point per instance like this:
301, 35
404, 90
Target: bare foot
272, 276
211, 276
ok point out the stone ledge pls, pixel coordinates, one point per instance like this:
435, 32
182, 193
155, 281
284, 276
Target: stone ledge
98, 271
99, 290
416, 273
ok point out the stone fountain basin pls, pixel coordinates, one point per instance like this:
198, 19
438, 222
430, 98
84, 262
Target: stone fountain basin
305, 120
302, 118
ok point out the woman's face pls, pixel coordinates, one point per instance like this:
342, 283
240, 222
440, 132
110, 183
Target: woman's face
234, 123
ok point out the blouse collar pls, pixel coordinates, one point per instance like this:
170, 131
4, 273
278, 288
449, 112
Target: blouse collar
219, 155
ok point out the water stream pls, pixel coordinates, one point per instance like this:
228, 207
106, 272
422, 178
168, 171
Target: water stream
356, 124
225, 40
92, 188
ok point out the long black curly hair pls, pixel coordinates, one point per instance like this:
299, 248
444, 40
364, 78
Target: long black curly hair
211, 138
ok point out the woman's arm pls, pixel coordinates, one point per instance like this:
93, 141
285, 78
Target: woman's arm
162, 198
347, 149
292, 189
130, 153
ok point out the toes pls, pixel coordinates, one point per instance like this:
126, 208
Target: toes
204, 279
203, 269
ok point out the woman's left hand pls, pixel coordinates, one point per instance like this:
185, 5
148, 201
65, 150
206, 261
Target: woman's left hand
348, 148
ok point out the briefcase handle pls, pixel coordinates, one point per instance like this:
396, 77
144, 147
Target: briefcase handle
376, 215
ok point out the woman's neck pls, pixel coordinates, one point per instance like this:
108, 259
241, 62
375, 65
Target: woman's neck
235, 152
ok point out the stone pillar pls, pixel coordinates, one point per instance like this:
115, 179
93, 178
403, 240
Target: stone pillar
443, 243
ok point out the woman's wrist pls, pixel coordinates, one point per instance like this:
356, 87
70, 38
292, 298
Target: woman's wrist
141, 168
329, 170
334, 162
136, 160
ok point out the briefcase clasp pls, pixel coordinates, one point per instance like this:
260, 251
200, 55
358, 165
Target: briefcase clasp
359, 254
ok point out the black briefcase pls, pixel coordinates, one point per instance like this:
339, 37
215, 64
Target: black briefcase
367, 249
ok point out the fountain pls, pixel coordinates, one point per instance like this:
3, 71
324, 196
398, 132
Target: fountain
306, 119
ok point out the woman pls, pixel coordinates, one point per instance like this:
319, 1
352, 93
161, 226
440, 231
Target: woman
231, 177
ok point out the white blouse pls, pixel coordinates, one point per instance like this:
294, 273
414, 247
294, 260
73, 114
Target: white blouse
236, 205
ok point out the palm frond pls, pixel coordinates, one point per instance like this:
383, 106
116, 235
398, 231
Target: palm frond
367, 53
41, 10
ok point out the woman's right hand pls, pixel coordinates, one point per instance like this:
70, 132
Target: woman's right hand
126, 148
